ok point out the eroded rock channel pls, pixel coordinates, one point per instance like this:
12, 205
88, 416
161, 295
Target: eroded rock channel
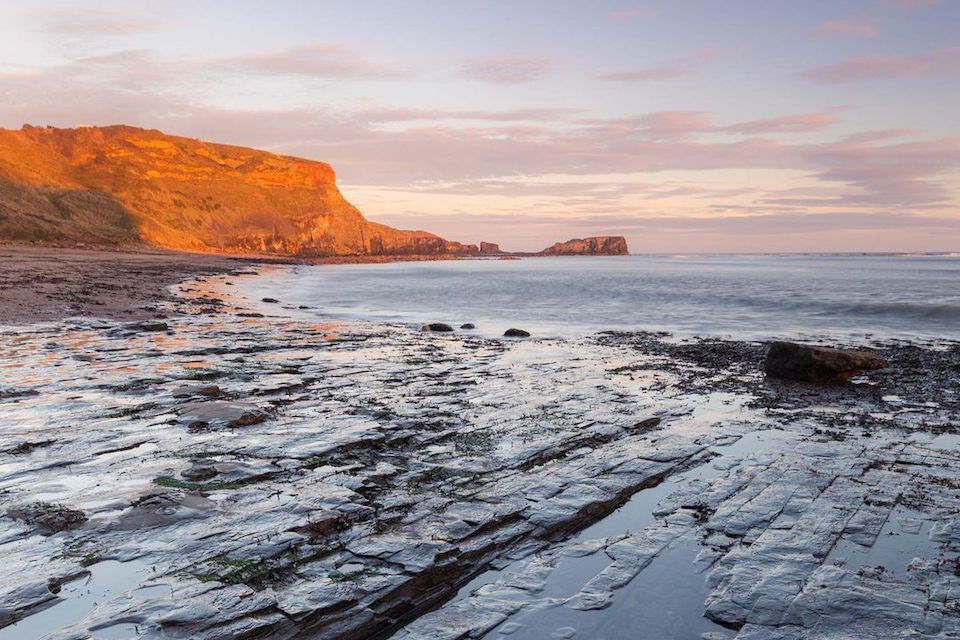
242, 475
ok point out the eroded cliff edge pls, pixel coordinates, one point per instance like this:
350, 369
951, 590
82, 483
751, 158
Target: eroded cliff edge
126, 186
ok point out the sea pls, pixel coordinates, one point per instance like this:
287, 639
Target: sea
855, 298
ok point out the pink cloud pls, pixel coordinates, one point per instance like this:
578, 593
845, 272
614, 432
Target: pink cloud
91, 21
675, 122
938, 62
802, 123
861, 27
322, 60
534, 114
633, 14
650, 73
507, 69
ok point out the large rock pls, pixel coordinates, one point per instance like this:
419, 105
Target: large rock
436, 326
818, 364
221, 413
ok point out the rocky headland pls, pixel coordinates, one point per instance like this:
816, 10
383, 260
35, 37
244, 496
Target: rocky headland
131, 188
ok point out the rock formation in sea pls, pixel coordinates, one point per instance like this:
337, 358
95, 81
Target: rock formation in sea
490, 249
594, 246
125, 186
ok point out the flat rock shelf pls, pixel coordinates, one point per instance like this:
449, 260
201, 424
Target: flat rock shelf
372, 481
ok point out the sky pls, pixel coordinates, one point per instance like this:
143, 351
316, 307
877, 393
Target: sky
684, 125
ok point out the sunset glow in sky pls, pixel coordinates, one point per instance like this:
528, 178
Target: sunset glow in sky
685, 125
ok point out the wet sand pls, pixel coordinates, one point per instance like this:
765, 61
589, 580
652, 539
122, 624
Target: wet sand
46, 284
239, 472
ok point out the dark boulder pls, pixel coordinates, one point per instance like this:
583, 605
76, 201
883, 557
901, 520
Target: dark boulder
270, 300
468, 325
48, 518
150, 325
186, 391
220, 413
516, 333
436, 326
818, 364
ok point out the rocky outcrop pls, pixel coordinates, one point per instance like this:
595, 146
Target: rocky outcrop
594, 246
490, 249
818, 364
123, 185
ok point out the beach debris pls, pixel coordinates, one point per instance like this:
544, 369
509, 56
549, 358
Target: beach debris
221, 413
190, 390
436, 326
818, 364
516, 333
49, 518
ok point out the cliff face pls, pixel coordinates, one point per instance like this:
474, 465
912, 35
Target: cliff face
123, 185
595, 246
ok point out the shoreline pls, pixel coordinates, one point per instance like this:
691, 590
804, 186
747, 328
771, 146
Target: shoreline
50, 283
346, 480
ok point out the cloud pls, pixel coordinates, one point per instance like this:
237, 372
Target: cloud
629, 15
901, 174
319, 60
685, 123
860, 27
650, 73
533, 114
802, 123
591, 165
914, 4
90, 21
938, 62
507, 70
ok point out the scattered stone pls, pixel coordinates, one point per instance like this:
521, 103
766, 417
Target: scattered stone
468, 325
150, 326
270, 300
436, 326
249, 314
190, 390
199, 472
818, 364
49, 518
516, 333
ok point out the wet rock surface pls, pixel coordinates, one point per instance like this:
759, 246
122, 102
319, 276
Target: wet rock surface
393, 483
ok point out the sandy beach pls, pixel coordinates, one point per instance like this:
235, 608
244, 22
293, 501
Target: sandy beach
233, 471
